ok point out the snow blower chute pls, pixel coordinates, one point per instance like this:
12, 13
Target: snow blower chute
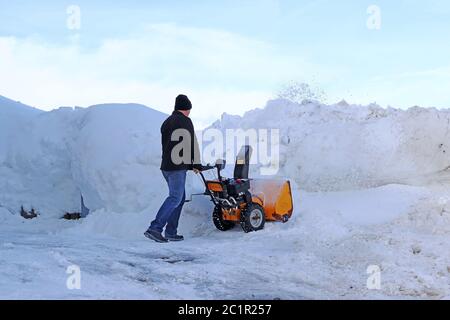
244, 201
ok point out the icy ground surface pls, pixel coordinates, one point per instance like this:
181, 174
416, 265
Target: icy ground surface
323, 252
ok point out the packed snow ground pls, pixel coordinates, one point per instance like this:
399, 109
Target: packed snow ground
379, 195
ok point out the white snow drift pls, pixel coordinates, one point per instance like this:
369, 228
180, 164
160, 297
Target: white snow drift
342, 146
110, 153
107, 153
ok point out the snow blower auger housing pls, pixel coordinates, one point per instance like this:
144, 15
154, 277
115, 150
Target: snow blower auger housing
244, 201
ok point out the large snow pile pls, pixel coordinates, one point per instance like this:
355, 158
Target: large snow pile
110, 154
341, 146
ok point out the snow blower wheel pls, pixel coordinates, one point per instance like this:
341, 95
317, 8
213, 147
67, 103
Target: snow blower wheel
219, 222
253, 218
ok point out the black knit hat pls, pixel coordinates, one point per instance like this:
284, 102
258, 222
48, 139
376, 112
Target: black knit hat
182, 103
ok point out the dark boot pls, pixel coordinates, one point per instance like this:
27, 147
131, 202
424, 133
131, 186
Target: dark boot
174, 238
155, 236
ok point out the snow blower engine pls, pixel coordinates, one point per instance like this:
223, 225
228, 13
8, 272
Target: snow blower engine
244, 201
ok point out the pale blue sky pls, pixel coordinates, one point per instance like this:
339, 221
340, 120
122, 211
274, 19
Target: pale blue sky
229, 56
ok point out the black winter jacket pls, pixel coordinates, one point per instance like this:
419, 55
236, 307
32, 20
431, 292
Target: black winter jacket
180, 149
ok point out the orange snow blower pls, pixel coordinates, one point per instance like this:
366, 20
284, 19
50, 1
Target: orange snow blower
244, 201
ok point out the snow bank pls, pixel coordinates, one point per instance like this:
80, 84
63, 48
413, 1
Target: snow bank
110, 154
15, 118
116, 157
342, 146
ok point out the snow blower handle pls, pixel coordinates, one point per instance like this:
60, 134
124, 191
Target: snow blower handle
207, 167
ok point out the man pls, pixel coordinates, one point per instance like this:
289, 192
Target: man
180, 153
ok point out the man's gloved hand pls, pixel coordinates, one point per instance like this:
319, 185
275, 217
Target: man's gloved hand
197, 168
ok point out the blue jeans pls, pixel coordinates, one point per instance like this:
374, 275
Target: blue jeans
170, 211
